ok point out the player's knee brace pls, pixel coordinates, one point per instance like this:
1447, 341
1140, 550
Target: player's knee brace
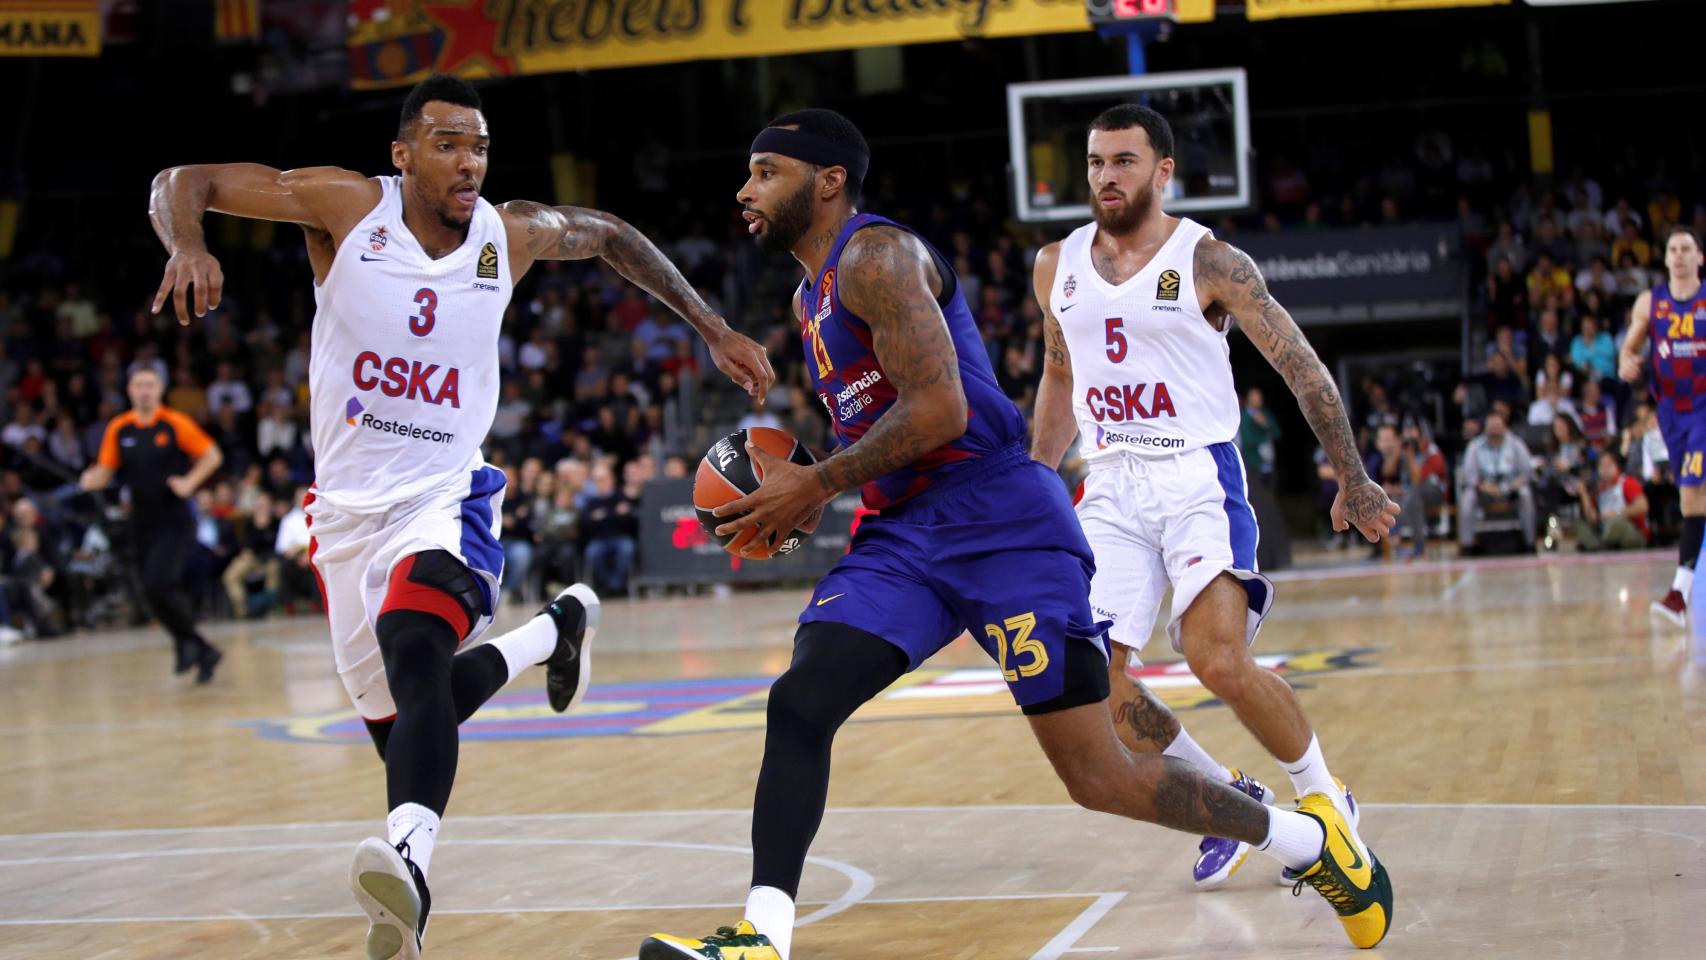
436, 583
836, 668
418, 649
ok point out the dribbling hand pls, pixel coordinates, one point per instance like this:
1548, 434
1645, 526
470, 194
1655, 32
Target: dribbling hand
788, 498
191, 268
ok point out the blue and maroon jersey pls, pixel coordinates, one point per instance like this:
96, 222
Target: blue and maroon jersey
852, 384
1678, 334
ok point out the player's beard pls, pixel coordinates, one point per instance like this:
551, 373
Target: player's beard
1134, 211
792, 217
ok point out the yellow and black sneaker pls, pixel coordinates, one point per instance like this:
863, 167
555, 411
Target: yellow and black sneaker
739, 942
1347, 875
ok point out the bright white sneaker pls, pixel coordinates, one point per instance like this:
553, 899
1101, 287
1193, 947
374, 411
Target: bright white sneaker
393, 893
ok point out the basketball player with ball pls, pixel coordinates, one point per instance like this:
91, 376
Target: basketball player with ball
971, 534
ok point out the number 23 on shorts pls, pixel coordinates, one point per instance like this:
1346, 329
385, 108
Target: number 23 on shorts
1017, 637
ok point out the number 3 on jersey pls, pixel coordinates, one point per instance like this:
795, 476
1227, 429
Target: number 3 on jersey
422, 323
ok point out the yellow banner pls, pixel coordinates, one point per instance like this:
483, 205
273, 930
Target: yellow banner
50, 28
1273, 9
394, 42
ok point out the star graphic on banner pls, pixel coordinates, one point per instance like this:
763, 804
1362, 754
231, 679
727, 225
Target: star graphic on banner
469, 36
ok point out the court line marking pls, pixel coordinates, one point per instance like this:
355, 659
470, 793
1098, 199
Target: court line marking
1063, 942
1489, 563
747, 812
564, 908
1371, 672
1465, 580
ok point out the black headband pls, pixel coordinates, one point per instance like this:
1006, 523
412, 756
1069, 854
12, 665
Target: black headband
813, 149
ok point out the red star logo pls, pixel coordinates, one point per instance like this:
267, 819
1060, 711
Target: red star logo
469, 36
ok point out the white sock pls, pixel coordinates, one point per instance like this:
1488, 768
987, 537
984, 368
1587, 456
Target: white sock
527, 645
1293, 839
1309, 775
1186, 749
1683, 582
418, 826
771, 912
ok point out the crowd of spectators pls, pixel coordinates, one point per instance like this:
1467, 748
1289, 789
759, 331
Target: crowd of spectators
605, 390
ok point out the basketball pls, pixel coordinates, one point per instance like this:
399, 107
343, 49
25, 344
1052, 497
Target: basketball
728, 473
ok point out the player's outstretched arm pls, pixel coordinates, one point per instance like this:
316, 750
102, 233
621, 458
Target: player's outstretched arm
322, 198
1052, 426
1635, 338
885, 277
539, 232
1227, 277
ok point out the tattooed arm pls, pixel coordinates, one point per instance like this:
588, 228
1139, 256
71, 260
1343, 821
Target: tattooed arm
539, 232
1228, 282
885, 277
1052, 427
325, 199
888, 279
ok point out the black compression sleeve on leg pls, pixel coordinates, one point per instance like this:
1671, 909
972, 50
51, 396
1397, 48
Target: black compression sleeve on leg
420, 757
1688, 551
836, 668
474, 676
380, 731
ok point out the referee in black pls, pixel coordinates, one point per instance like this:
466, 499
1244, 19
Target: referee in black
163, 457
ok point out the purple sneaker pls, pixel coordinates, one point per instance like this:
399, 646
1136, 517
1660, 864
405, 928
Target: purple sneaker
1220, 858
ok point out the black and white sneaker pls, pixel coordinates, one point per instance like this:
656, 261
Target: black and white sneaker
393, 893
575, 611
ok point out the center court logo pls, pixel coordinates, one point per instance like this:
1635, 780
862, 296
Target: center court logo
723, 704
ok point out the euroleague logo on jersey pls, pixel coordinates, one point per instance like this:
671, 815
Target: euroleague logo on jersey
1167, 288
826, 297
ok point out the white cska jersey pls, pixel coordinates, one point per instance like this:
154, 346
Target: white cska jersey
1150, 375
403, 374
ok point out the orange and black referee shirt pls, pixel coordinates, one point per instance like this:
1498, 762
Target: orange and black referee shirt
145, 454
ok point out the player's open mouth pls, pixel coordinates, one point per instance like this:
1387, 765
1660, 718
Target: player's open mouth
467, 194
1111, 199
753, 221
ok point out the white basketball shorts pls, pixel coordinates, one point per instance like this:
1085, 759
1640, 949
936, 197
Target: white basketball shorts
353, 556
1175, 521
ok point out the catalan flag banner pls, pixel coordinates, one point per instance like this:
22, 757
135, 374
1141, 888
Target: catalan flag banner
236, 21
50, 28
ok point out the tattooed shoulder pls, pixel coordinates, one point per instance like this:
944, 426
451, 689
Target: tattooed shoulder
558, 233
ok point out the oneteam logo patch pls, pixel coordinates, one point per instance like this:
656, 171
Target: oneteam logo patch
488, 266
1167, 288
